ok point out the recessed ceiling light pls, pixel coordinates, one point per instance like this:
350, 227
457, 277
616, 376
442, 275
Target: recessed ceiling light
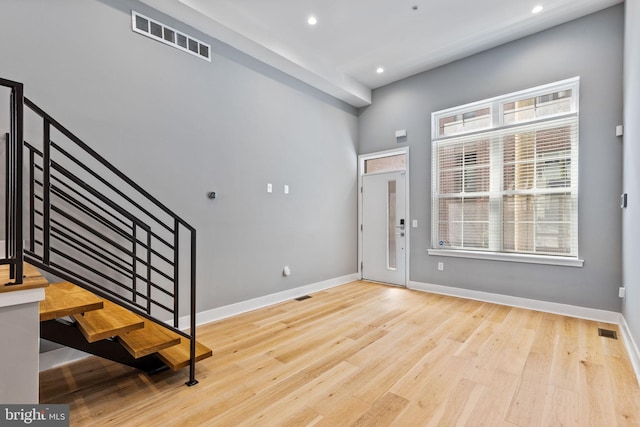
537, 9
312, 20
379, 70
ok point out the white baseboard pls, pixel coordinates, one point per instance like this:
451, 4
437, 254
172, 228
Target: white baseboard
632, 347
531, 304
220, 313
62, 356
547, 307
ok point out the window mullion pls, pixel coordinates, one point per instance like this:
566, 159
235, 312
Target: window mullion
495, 184
536, 204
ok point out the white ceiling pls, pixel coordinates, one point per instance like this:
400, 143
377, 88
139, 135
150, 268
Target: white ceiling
340, 54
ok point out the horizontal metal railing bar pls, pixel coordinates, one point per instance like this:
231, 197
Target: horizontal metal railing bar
143, 245
92, 253
102, 160
91, 269
91, 213
93, 202
109, 255
33, 255
107, 184
83, 208
59, 168
34, 149
154, 268
156, 286
162, 306
10, 83
128, 275
89, 244
158, 304
161, 240
90, 230
74, 278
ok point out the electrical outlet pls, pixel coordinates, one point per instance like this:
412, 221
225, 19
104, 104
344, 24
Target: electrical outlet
441, 266
622, 292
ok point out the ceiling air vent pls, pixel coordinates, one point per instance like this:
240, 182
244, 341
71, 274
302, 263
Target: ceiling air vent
167, 35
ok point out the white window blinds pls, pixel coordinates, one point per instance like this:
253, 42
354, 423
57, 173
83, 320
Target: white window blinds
505, 173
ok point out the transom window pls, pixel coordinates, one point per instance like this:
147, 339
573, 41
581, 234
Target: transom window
505, 174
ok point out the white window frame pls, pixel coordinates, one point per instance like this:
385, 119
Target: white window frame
496, 106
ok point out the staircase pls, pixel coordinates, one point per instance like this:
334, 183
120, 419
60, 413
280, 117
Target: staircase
150, 347
127, 263
76, 317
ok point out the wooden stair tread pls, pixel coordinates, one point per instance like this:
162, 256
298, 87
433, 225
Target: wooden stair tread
112, 320
150, 339
178, 356
66, 299
31, 279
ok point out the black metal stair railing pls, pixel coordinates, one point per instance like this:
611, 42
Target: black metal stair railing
92, 225
12, 232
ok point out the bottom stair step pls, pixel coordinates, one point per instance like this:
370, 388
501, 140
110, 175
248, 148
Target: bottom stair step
148, 340
178, 356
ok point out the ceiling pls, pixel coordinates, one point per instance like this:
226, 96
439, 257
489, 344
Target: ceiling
352, 38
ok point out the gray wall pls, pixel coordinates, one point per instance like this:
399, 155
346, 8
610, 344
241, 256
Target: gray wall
181, 126
591, 48
631, 215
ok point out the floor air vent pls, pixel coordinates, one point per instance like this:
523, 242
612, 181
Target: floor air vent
607, 333
302, 298
167, 35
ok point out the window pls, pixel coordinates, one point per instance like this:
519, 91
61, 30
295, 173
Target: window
505, 177
396, 162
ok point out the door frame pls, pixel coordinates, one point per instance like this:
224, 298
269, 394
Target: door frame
377, 155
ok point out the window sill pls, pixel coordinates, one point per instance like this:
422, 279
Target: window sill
498, 256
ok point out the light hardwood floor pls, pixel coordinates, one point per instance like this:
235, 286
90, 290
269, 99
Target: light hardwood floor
365, 354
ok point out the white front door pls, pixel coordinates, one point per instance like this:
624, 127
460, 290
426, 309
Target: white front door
384, 227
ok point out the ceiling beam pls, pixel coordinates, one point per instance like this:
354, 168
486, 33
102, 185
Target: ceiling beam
320, 76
